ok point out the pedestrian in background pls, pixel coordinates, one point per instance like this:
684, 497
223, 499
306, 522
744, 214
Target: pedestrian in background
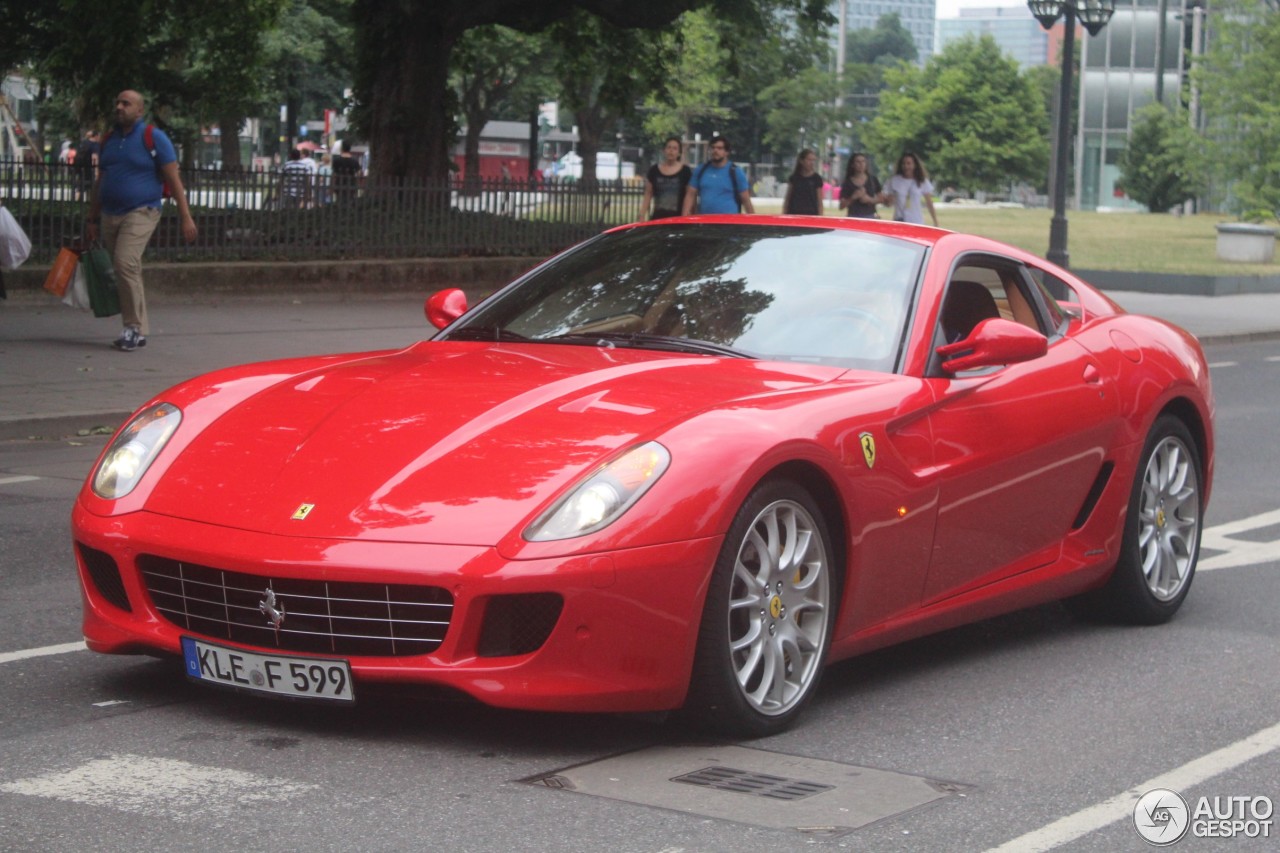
666, 183
804, 187
718, 185
297, 175
346, 177
86, 162
909, 189
127, 196
324, 180
861, 190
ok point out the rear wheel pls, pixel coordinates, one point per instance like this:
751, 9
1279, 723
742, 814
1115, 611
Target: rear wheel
766, 626
1161, 534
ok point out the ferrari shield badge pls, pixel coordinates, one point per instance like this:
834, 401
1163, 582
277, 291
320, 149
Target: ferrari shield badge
868, 442
303, 509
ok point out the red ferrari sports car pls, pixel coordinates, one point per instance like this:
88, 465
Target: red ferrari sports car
682, 465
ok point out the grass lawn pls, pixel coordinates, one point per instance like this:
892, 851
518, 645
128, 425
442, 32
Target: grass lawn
1136, 242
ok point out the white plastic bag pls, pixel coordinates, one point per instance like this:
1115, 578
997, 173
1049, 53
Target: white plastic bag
77, 295
14, 245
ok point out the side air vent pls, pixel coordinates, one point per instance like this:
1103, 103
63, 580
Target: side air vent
1095, 494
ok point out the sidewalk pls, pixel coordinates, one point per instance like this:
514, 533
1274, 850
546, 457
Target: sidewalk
60, 374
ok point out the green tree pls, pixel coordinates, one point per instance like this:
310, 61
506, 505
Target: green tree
1238, 78
189, 58
778, 42
976, 122
869, 53
604, 71
696, 81
1161, 167
800, 111
404, 103
308, 61
494, 67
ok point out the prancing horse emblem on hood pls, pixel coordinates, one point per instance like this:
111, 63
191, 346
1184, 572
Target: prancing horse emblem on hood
269, 609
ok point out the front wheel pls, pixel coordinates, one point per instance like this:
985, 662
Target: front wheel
767, 623
1161, 532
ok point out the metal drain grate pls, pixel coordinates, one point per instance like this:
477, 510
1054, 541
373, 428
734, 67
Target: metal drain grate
755, 784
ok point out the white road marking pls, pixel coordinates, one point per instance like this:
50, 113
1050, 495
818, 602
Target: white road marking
1239, 552
1215, 365
1272, 358
1120, 807
6, 657
17, 478
159, 787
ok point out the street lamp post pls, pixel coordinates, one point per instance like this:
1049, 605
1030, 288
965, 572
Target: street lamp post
1094, 14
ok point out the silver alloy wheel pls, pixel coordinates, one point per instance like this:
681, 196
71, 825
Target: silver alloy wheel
778, 604
1169, 518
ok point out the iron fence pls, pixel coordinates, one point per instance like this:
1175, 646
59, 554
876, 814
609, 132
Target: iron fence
248, 215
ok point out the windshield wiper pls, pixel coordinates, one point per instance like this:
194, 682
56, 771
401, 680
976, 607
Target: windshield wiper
666, 343
486, 333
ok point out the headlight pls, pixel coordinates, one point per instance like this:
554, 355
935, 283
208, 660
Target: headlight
604, 496
133, 450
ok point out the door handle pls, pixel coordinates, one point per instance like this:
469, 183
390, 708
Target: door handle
1091, 375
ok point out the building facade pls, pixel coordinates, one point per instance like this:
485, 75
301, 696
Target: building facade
17, 118
917, 17
1018, 34
1118, 76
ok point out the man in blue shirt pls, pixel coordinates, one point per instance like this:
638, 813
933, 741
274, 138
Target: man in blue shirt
132, 173
718, 186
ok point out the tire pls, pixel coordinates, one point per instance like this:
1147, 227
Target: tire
766, 626
1162, 529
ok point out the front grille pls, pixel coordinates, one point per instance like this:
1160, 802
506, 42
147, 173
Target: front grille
328, 617
105, 574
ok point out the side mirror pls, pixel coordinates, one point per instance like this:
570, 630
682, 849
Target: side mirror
993, 342
445, 306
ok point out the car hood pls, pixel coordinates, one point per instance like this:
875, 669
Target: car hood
451, 443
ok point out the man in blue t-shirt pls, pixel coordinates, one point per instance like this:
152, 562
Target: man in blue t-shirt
718, 186
135, 163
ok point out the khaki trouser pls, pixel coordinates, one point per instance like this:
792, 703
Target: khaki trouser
126, 237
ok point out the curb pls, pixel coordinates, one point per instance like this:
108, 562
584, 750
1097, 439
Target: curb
58, 427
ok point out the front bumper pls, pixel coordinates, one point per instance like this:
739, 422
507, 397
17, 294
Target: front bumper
623, 640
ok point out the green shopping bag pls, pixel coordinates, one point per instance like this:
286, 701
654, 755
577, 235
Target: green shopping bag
100, 276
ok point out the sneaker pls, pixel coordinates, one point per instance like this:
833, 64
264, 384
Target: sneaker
129, 340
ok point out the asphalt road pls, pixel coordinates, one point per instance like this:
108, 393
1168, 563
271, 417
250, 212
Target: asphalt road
1028, 727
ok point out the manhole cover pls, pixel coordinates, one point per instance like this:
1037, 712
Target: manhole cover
753, 786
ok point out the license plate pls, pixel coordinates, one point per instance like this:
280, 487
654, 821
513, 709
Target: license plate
283, 675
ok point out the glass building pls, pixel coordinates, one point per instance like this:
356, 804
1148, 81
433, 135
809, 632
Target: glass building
917, 17
1018, 34
1119, 67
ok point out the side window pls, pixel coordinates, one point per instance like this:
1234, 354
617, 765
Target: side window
976, 292
1060, 298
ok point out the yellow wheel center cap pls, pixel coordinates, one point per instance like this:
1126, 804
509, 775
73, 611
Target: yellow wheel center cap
1160, 518
775, 607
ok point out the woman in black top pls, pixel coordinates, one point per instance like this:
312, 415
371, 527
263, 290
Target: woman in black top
804, 187
860, 191
666, 182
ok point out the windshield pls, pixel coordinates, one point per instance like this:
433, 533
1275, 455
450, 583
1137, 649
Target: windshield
775, 292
